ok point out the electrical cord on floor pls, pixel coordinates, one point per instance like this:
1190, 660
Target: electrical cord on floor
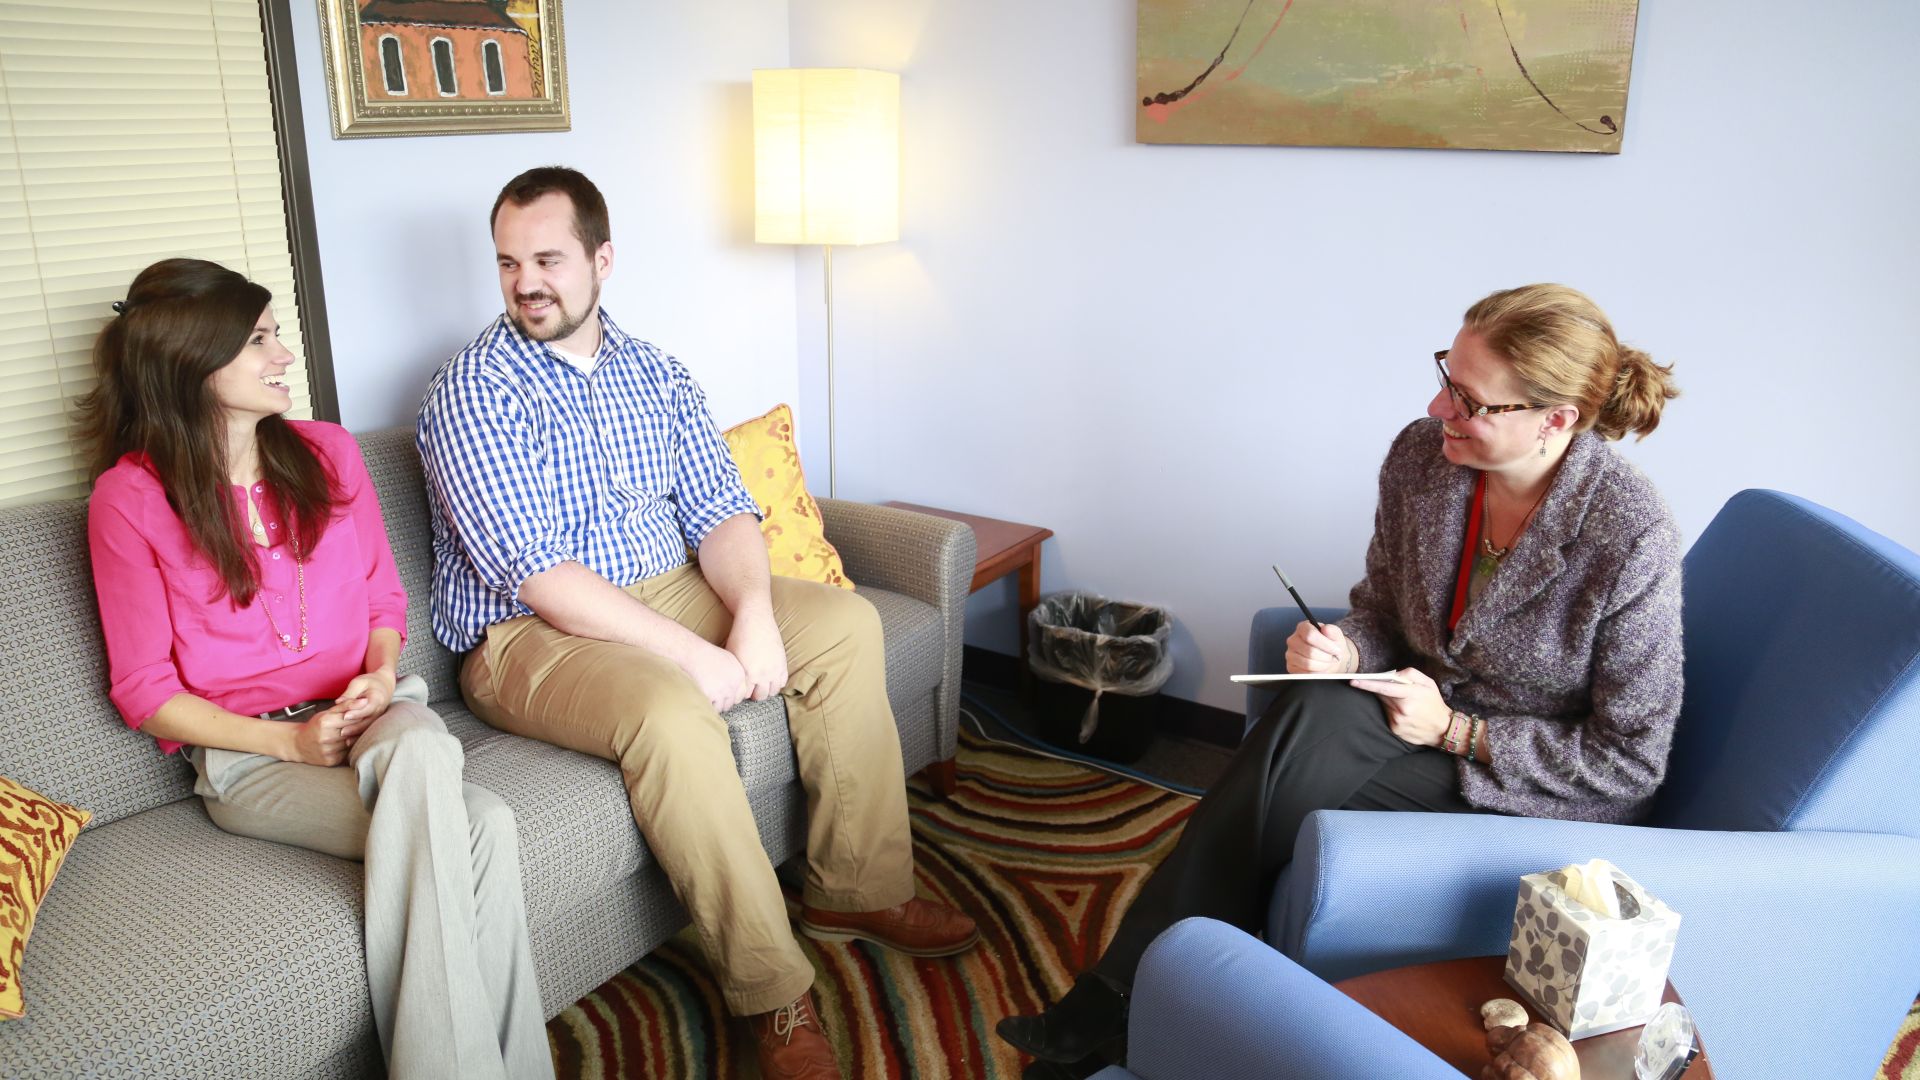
1032, 745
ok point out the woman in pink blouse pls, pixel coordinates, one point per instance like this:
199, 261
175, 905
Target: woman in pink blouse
253, 617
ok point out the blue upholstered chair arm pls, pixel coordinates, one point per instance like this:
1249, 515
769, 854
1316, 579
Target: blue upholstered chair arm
1212, 1003
1800, 950
1267, 648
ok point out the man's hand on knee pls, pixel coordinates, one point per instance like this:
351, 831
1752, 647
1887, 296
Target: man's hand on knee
718, 674
755, 642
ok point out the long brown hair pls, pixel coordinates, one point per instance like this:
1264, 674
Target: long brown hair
183, 320
1564, 350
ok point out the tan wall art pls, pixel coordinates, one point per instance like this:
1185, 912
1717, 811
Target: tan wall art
1473, 74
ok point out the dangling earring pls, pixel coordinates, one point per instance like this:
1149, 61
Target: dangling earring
1543, 442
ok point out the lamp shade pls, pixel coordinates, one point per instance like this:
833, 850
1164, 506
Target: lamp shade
826, 156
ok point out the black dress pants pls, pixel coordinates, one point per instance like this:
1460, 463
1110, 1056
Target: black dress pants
1320, 746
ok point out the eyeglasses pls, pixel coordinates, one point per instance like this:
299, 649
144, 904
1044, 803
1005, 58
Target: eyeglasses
1462, 400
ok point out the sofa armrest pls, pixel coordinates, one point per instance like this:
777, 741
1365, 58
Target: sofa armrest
1782, 935
1210, 1001
917, 555
903, 551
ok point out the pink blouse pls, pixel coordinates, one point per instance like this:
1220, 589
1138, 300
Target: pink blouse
171, 628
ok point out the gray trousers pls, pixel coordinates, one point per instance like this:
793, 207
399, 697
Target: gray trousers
448, 964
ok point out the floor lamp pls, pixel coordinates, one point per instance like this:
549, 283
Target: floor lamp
826, 170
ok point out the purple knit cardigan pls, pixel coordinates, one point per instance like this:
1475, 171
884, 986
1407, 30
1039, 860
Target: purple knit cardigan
1572, 653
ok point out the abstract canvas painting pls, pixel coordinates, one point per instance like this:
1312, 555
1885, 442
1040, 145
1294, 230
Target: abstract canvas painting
1478, 74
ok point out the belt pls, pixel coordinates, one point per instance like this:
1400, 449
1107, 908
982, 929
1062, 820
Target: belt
295, 712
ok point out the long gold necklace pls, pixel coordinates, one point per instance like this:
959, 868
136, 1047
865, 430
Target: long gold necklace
299, 580
1491, 554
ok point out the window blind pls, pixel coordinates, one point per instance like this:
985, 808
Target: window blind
130, 131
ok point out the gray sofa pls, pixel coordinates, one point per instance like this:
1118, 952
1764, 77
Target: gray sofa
169, 948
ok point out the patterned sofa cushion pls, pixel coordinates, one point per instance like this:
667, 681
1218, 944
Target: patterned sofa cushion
35, 833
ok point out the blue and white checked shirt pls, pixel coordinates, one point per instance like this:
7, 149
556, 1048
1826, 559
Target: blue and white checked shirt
530, 463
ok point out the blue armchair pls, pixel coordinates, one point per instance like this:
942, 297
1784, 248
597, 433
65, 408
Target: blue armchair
1787, 833
1211, 1003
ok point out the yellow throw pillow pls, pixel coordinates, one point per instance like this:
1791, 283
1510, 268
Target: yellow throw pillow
790, 520
35, 834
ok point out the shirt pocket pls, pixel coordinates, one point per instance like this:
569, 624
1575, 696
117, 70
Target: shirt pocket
639, 453
205, 616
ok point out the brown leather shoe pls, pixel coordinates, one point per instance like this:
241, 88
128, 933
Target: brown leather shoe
790, 1045
917, 927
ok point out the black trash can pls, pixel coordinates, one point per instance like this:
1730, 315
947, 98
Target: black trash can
1098, 667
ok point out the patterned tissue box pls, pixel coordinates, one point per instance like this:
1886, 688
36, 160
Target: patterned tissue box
1586, 973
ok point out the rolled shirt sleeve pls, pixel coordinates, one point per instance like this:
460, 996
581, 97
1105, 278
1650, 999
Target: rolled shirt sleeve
134, 612
706, 480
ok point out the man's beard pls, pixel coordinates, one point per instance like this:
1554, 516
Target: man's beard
567, 322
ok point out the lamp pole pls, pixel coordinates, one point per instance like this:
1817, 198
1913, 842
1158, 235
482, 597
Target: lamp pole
827, 249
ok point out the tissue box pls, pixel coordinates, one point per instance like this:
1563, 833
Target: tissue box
1586, 973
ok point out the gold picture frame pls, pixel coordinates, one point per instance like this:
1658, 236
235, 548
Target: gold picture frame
444, 67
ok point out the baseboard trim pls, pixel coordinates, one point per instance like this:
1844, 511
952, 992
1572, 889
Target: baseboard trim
1179, 717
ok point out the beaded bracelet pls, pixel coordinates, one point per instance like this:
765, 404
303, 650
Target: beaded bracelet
1473, 736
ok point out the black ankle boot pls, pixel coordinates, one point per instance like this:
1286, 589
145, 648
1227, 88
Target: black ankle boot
1093, 1015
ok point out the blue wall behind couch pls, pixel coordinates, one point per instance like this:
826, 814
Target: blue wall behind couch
1187, 361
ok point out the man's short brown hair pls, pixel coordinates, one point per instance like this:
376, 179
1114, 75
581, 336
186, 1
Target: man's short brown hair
589, 207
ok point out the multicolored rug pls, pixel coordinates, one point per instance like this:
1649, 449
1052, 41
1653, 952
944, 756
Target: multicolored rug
1903, 1060
1045, 854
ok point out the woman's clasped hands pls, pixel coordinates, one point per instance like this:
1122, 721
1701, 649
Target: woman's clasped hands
325, 737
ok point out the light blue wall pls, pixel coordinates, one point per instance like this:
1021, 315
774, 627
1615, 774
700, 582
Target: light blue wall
1187, 361
662, 121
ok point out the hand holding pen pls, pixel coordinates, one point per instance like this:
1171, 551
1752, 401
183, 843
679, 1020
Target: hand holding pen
1315, 647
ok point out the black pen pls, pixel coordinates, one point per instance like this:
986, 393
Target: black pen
1295, 593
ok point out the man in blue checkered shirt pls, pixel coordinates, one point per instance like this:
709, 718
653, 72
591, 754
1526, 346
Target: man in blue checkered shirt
570, 469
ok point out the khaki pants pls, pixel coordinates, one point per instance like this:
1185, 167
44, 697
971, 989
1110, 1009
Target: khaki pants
638, 709
448, 966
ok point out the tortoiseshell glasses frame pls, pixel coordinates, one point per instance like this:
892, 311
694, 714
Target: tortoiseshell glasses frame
1464, 401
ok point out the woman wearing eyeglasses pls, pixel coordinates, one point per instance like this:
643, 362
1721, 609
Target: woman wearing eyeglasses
253, 617
1522, 584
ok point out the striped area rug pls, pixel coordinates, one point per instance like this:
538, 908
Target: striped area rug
1903, 1060
1044, 854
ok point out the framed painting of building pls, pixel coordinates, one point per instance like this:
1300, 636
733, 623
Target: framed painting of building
444, 67
1471, 74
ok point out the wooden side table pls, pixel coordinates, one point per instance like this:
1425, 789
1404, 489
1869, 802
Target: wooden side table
1001, 548
1438, 1005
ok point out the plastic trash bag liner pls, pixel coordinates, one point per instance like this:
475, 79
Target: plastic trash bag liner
1102, 645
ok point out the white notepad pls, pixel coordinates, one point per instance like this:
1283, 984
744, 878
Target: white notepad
1377, 676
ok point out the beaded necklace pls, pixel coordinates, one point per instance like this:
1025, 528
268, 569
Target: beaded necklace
299, 580
1488, 560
